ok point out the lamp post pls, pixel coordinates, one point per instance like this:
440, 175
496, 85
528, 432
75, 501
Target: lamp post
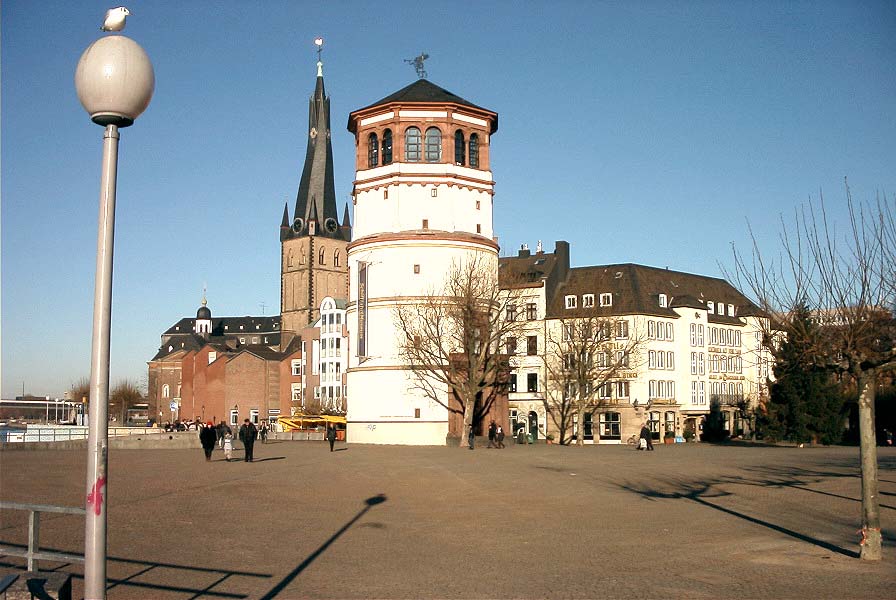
114, 80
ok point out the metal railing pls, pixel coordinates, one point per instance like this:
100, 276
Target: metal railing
34, 553
44, 433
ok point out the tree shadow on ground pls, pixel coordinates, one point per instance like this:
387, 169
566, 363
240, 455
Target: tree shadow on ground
368, 504
703, 492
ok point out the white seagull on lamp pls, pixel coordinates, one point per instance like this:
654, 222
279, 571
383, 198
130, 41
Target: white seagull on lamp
115, 19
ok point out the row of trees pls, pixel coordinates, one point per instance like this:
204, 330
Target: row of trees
123, 396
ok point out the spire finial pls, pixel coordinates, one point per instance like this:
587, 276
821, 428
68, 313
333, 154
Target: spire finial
319, 42
418, 64
204, 301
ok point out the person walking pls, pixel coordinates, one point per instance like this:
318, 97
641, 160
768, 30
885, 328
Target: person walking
248, 435
223, 428
263, 432
492, 432
208, 438
228, 445
645, 435
331, 435
499, 436
470, 437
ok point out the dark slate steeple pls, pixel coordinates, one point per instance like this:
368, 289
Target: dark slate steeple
316, 200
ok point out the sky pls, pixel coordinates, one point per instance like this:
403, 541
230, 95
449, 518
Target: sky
648, 132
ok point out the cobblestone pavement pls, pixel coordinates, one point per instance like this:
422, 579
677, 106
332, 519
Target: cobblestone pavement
685, 521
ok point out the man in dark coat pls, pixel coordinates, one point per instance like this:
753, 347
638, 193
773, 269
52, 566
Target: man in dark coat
331, 435
248, 435
645, 434
492, 432
208, 437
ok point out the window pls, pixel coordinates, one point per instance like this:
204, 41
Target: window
570, 302
568, 331
433, 140
664, 302
606, 299
512, 383
670, 361
213, 355
373, 150
621, 329
510, 344
701, 364
322, 256
531, 311
474, 150
425, 223
336, 258
297, 395
166, 391
234, 417
670, 330
459, 148
253, 416
693, 363
532, 382
622, 359
434, 192
296, 367
730, 310
588, 300
387, 147
609, 425
604, 331
412, 144
651, 330
651, 360
511, 312
622, 389
604, 391
711, 307
701, 393
416, 269
532, 345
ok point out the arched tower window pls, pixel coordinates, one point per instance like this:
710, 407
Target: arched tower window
433, 145
166, 391
387, 147
373, 150
322, 256
336, 258
412, 144
459, 148
474, 150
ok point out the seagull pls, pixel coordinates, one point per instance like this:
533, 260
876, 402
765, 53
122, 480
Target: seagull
115, 19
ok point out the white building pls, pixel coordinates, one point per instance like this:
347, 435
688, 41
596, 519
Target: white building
422, 203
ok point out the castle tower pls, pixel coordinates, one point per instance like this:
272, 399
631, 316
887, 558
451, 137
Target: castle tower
313, 244
423, 202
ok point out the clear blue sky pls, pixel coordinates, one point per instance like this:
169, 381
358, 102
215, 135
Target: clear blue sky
639, 132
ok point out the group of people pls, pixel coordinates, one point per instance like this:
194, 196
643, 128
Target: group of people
645, 438
221, 434
495, 435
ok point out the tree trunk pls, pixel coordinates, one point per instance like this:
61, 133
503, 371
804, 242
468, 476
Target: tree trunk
871, 539
468, 424
580, 424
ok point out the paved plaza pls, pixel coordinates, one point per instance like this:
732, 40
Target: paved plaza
685, 521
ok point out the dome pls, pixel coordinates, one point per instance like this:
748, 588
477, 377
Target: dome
204, 313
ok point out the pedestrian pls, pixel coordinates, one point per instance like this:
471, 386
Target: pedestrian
470, 437
228, 445
492, 431
207, 438
499, 436
888, 437
264, 432
331, 435
223, 428
248, 435
645, 435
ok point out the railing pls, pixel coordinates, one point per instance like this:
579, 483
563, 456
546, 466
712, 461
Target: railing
34, 553
65, 434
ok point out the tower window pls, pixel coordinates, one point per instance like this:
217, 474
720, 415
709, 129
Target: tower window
433, 145
459, 148
373, 150
474, 150
412, 144
336, 258
322, 257
425, 223
387, 147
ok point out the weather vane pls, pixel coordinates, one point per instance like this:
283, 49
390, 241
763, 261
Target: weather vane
418, 64
319, 42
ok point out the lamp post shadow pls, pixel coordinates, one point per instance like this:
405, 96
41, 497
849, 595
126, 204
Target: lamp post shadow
368, 504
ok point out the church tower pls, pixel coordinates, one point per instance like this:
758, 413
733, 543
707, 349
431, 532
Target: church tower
423, 203
313, 261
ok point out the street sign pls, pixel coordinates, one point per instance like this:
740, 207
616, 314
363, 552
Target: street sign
173, 405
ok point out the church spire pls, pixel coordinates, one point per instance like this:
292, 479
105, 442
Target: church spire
317, 175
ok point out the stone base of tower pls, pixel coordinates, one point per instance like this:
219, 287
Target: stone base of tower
383, 408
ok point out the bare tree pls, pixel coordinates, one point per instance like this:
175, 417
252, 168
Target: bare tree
81, 390
452, 339
846, 279
584, 358
124, 395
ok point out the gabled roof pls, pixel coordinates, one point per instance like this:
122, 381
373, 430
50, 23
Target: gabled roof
636, 289
525, 271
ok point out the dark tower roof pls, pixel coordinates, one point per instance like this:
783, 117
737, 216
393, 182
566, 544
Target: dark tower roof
316, 198
425, 92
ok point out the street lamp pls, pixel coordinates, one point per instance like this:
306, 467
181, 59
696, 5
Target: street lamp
115, 81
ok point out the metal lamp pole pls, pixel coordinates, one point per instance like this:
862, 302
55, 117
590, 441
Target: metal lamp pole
115, 81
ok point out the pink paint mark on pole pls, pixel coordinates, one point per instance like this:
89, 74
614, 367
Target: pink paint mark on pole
95, 497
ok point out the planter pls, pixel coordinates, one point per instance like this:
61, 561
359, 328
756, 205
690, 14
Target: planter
669, 440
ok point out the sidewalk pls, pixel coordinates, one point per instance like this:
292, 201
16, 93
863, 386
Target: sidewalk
535, 521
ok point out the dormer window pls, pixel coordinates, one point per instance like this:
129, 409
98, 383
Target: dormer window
570, 302
710, 307
730, 310
664, 301
606, 299
588, 301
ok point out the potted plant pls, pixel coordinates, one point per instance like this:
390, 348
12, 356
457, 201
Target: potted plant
549, 438
669, 437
